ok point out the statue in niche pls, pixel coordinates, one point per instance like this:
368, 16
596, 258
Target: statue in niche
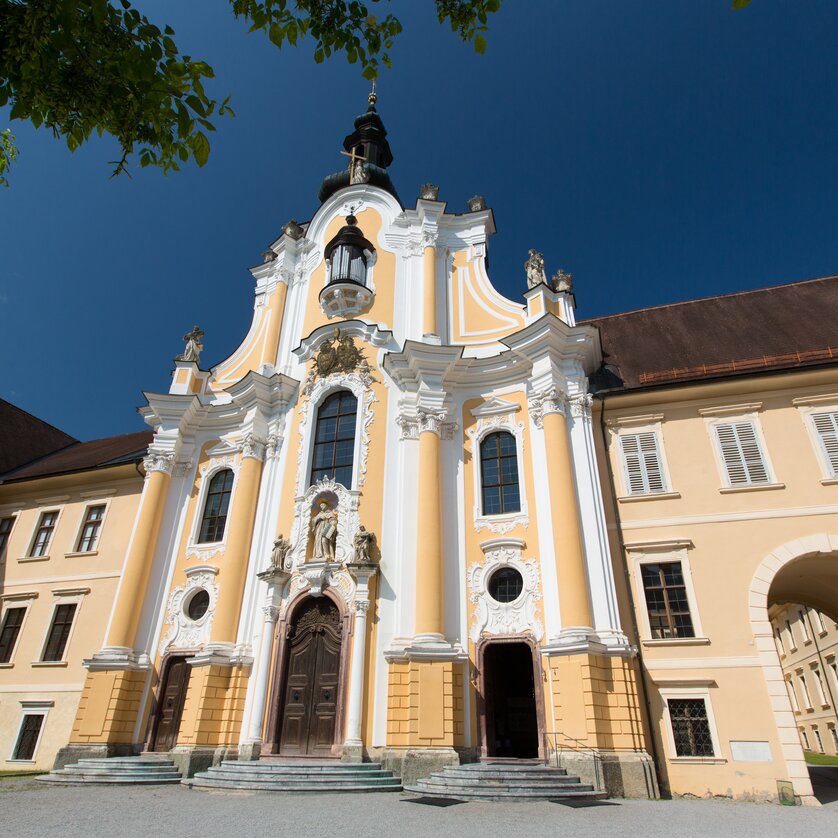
280, 559
562, 281
193, 349
364, 542
534, 266
325, 528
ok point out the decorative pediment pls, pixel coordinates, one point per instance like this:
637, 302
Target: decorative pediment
494, 407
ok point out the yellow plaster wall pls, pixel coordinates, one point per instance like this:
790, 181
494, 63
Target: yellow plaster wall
108, 708
214, 706
425, 704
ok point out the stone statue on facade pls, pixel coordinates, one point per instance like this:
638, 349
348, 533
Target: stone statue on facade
194, 347
562, 281
429, 192
364, 543
534, 266
279, 555
325, 528
477, 203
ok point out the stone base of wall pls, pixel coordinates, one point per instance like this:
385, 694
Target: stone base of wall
72, 753
189, 760
412, 764
619, 774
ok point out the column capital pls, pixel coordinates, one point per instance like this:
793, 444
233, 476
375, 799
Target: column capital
361, 606
163, 461
551, 400
435, 421
271, 613
252, 447
581, 405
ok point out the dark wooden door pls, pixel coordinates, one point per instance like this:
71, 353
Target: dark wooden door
172, 696
309, 706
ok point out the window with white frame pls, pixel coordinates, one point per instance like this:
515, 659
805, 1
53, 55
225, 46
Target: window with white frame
833, 666
667, 605
790, 633
10, 631
820, 685
818, 738
91, 525
781, 649
834, 734
43, 534
792, 696
6, 525
826, 428
818, 619
643, 471
29, 734
59, 632
804, 626
804, 737
690, 725
804, 691
741, 453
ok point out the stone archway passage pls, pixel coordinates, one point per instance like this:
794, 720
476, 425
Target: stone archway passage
311, 679
509, 701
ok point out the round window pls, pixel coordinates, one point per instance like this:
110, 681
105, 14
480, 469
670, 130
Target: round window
198, 605
506, 584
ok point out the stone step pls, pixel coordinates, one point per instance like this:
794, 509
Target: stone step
488, 776
516, 796
117, 771
110, 779
300, 776
506, 782
125, 769
199, 783
299, 767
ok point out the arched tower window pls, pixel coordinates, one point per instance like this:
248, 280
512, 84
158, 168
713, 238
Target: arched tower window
499, 474
334, 439
216, 506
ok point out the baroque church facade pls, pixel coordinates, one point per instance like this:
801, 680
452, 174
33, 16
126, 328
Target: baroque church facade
402, 522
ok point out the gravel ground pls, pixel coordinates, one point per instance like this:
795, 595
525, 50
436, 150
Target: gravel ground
29, 808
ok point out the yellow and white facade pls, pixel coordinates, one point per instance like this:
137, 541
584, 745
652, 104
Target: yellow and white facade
503, 610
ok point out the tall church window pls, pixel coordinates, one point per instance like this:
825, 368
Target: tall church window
334, 439
499, 474
216, 507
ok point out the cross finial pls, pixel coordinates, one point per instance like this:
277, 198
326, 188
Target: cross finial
373, 96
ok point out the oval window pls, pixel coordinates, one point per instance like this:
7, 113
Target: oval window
198, 605
505, 585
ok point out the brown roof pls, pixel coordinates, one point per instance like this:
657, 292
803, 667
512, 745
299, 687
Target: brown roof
84, 456
24, 437
783, 327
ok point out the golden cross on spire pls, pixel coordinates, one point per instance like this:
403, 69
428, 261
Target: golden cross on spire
354, 157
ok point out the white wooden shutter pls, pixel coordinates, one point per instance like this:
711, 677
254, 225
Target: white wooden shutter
741, 453
642, 464
826, 424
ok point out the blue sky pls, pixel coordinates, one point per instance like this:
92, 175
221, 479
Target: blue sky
660, 150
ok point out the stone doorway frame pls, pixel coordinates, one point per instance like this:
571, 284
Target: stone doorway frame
538, 689
786, 726
276, 688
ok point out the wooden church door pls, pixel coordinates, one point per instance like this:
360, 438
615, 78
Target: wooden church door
172, 696
311, 680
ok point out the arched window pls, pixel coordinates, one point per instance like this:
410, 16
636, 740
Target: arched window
334, 439
499, 474
216, 505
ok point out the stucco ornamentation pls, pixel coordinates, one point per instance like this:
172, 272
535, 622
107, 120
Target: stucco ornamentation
184, 632
581, 405
552, 400
491, 617
412, 424
273, 446
252, 447
562, 281
163, 461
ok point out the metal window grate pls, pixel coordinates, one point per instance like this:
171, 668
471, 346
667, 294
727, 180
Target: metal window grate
690, 727
30, 730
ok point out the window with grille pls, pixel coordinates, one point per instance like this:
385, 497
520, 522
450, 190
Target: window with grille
5, 531
334, 439
690, 727
27, 739
216, 507
499, 474
89, 535
642, 463
741, 454
666, 600
10, 631
43, 535
59, 632
826, 425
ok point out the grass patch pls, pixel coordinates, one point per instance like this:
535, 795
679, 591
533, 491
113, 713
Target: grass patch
820, 759
4, 774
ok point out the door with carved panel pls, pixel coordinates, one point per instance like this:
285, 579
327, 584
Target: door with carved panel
312, 676
170, 709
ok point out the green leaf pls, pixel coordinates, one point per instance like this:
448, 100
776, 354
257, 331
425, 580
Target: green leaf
479, 44
740, 4
200, 148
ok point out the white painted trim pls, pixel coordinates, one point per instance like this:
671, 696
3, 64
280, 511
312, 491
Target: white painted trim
728, 517
653, 425
48, 580
808, 408
734, 417
7, 602
689, 692
75, 597
51, 507
106, 502
205, 550
30, 711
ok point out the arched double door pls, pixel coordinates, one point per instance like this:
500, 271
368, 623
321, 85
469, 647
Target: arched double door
310, 685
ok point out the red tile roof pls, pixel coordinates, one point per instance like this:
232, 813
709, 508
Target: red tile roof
783, 327
84, 456
24, 437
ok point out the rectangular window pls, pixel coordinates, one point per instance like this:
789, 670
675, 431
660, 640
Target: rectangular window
10, 631
89, 535
642, 463
820, 685
5, 532
790, 634
816, 616
826, 425
780, 647
666, 600
59, 631
43, 535
804, 691
834, 734
804, 627
741, 453
792, 696
690, 727
27, 740
834, 667
818, 739
805, 739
